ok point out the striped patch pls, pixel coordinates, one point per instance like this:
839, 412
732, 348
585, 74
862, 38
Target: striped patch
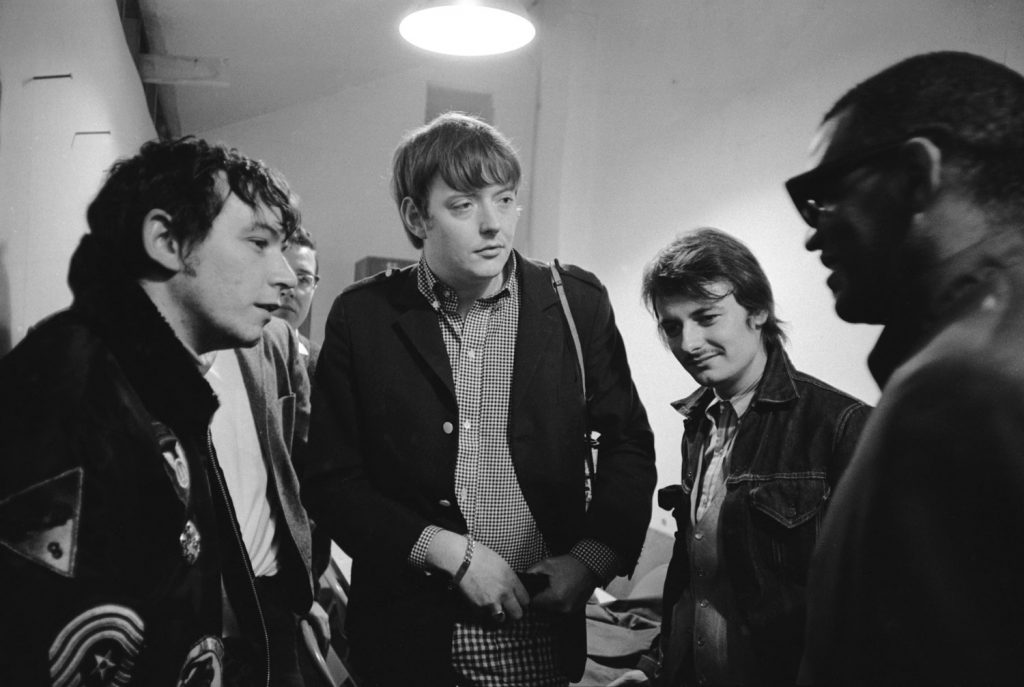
98, 647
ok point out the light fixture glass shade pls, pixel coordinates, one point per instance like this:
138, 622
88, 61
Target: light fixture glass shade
467, 28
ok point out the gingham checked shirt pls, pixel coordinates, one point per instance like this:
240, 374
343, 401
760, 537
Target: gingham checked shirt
481, 350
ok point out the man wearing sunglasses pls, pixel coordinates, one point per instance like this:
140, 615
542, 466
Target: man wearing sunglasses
916, 205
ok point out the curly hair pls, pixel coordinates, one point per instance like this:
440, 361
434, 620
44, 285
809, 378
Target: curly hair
180, 177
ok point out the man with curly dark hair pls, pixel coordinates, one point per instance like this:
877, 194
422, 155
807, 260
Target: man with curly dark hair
119, 538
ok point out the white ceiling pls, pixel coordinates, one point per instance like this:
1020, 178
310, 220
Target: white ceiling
279, 52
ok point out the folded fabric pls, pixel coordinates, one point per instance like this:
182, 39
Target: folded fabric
622, 629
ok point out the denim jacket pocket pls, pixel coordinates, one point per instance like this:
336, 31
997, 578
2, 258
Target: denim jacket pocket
790, 501
786, 514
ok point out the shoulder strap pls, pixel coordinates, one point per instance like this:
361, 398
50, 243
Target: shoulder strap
556, 281
589, 466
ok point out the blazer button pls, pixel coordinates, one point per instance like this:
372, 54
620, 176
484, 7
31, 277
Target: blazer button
444, 503
448, 427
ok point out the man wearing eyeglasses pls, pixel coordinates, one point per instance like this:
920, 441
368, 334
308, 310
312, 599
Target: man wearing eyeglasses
296, 301
916, 204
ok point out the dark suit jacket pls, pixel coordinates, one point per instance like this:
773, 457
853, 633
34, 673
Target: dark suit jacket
384, 441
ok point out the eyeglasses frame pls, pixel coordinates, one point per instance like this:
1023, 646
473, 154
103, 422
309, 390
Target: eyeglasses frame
314, 277
804, 189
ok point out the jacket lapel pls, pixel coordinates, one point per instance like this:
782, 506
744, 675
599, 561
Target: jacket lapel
251, 364
538, 322
418, 324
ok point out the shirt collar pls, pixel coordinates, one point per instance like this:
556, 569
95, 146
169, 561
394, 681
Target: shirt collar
740, 402
444, 298
776, 386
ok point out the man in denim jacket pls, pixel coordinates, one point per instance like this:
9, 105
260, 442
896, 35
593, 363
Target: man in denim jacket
762, 450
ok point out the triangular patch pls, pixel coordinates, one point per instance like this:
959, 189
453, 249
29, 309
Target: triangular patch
41, 523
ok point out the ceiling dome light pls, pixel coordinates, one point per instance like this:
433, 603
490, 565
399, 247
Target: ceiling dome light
461, 27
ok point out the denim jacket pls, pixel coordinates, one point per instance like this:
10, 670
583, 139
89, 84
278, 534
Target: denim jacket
794, 442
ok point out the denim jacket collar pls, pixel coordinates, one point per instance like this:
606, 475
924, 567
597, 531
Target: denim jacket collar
777, 386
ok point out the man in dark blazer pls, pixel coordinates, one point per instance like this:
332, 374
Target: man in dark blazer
448, 439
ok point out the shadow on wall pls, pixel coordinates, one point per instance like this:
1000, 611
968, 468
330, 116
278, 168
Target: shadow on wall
5, 303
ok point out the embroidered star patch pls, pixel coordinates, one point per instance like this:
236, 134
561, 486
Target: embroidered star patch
98, 647
41, 523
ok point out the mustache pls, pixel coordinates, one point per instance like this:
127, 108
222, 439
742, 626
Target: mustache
698, 356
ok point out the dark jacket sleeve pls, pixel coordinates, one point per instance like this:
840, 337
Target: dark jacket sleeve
339, 488
620, 509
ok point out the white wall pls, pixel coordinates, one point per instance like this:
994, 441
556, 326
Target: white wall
651, 117
672, 115
50, 166
635, 120
336, 154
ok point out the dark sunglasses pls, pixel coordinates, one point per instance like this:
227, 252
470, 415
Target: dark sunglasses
808, 189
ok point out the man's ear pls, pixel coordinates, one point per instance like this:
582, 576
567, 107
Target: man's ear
923, 162
158, 241
415, 222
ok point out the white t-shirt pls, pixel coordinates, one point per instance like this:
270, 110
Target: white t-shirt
240, 456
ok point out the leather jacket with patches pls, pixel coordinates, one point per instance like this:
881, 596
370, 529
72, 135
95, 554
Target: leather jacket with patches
115, 527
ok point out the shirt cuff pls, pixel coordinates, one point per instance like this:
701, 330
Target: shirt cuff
418, 555
600, 558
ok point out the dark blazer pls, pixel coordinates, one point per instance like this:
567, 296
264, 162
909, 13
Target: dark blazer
384, 440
